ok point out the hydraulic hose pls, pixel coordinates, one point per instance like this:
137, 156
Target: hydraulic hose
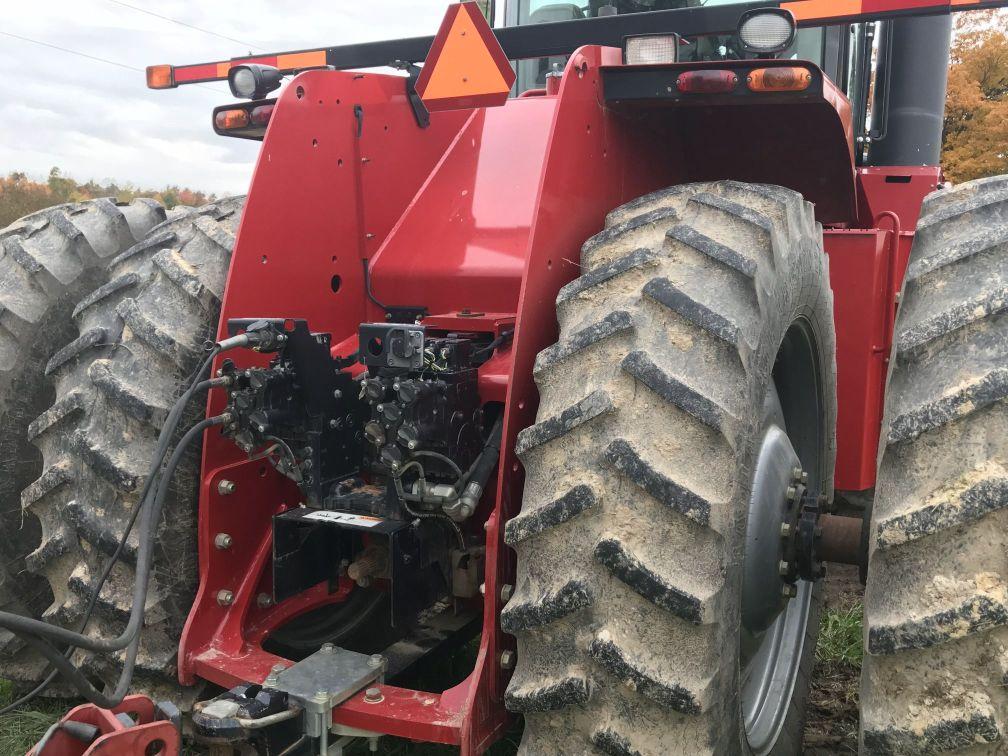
164, 438
22, 625
150, 514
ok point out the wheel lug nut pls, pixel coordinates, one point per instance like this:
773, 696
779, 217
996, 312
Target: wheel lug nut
796, 473
785, 529
783, 567
791, 493
789, 591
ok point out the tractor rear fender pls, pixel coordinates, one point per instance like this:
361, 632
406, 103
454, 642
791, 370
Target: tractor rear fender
798, 139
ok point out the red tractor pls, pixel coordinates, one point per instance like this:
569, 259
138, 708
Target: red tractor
597, 373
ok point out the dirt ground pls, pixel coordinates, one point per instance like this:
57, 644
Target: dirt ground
832, 724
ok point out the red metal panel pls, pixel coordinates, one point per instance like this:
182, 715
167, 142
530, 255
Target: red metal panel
306, 226
147, 735
898, 189
860, 278
461, 243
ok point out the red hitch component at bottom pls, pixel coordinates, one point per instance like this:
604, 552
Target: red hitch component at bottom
133, 728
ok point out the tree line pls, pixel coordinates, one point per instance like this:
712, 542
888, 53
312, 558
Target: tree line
19, 195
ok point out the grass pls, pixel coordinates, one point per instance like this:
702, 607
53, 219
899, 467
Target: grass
840, 636
22, 729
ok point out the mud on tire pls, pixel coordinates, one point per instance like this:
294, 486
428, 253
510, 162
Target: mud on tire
638, 472
935, 676
140, 335
48, 261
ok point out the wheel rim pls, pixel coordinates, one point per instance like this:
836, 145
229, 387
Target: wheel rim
773, 627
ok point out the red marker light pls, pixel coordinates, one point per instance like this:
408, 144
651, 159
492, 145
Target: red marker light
705, 82
261, 115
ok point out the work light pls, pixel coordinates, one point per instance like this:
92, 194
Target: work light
253, 81
765, 31
650, 49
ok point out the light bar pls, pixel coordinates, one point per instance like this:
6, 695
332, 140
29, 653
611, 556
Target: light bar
287, 63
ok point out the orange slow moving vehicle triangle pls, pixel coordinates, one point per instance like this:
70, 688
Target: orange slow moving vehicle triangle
466, 66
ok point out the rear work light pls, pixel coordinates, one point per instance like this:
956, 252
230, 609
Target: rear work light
765, 31
649, 49
160, 77
705, 82
226, 120
779, 79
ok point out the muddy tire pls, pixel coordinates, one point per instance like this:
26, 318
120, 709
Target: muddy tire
639, 473
936, 604
140, 335
48, 261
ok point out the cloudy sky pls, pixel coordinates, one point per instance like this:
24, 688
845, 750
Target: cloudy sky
98, 120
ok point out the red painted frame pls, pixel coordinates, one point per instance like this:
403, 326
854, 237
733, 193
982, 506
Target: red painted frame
116, 738
485, 211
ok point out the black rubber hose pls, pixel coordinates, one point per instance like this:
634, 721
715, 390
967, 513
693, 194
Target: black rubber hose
26, 625
150, 514
164, 438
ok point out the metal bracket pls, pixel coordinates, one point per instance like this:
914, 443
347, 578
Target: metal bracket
326, 679
420, 112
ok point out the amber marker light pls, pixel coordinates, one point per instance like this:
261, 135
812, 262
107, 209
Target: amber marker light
225, 120
779, 79
160, 77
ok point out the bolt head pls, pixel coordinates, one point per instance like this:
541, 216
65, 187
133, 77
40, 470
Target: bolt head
327, 648
785, 529
225, 597
507, 659
337, 394
375, 661
783, 567
264, 601
796, 473
223, 541
373, 695
792, 492
789, 591
276, 669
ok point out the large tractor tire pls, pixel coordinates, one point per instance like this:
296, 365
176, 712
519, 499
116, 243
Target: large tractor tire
935, 676
695, 371
48, 261
139, 336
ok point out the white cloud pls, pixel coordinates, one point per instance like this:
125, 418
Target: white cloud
96, 120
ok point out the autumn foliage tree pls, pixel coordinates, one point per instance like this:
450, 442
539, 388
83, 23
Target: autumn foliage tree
19, 195
975, 139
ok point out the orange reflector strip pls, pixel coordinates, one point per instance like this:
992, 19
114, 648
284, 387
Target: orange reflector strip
783, 79
466, 66
225, 120
160, 77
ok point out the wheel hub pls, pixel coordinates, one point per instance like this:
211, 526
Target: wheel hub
779, 562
